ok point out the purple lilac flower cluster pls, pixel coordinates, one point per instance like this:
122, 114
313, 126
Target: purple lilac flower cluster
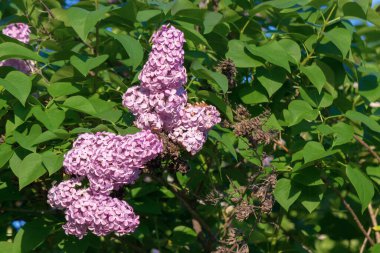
108, 161
160, 102
20, 32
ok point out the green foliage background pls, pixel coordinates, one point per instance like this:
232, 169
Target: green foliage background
301, 59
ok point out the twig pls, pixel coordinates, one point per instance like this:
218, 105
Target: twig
373, 215
349, 209
319, 38
356, 219
47, 9
364, 244
279, 143
367, 147
175, 190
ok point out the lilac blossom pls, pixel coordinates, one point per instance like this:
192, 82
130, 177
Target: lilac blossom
164, 68
20, 32
110, 160
101, 215
160, 103
64, 194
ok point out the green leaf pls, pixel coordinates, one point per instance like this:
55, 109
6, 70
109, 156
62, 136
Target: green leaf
253, 94
308, 177
51, 135
211, 19
315, 75
373, 17
202, 72
311, 198
293, 50
341, 38
353, 9
191, 34
272, 80
6, 153
183, 235
228, 140
51, 118
374, 173
95, 107
247, 152
316, 99
52, 161
375, 249
62, 89
145, 15
80, 104
238, 55
132, 47
280, 4
18, 84
9, 50
343, 132
272, 52
369, 87
30, 236
81, 20
84, 65
6, 247
314, 151
297, 111
180, 5
286, 193
359, 117
218, 102
363, 186
29, 169
26, 139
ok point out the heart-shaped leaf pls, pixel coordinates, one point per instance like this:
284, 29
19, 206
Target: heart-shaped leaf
18, 84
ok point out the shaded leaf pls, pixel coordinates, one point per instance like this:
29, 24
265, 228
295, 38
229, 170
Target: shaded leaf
286, 193
132, 47
363, 186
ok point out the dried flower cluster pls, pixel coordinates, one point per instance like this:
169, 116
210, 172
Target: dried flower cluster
160, 102
233, 242
228, 68
252, 128
20, 32
108, 161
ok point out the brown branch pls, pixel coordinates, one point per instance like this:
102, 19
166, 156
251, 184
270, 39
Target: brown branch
47, 9
349, 209
282, 146
194, 213
356, 219
373, 215
367, 147
364, 244
174, 189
